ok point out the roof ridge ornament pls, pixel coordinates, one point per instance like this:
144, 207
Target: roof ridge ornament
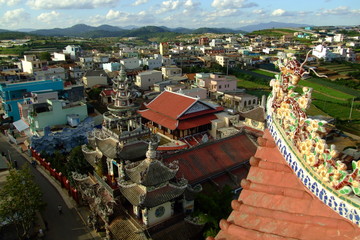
288, 109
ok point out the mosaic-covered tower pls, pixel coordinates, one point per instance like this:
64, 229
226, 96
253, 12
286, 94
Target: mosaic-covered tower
122, 136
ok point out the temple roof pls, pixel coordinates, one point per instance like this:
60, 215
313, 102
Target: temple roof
150, 172
274, 204
257, 114
138, 195
107, 146
176, 106
171, 104
173, 124
209, 159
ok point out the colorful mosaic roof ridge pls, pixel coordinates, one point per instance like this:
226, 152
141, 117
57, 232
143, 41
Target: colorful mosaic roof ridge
288, 110
275, 204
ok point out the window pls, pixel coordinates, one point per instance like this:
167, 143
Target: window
159, 211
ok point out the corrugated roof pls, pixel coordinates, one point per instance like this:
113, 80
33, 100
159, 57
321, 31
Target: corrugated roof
274, 204
209, 159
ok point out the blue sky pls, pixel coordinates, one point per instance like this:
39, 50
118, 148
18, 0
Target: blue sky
17, 14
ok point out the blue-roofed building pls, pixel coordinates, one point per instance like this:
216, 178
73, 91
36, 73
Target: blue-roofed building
12, 93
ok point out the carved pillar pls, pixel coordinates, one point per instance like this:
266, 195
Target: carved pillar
120, 170
136, 211
145, 217
110, 166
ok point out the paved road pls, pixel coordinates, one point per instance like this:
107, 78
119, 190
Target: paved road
69, 225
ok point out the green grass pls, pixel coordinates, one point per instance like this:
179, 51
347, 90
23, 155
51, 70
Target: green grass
258, 93
336, 86
264, 73
313, 111
251, 85
329, 91
335, 110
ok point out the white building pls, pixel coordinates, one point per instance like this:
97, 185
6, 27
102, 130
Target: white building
86, 63
345, 53
172, 70
112, 66
31, 64
339, 37
94, 77
73, 51
50, 73
323, 52
215, 42
58, 57
145, 80
152, 62
130, 63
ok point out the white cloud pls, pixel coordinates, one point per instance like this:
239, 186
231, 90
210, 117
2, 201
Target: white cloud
246, 21
258, 11
139, 2
341, 10
115, 17
13, 18
9, 2
48, 17
191, 4
70, 4
112, 14
226, 4
224, 13
170, 5
278, 12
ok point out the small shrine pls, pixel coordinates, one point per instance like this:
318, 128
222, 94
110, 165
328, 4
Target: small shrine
152, 190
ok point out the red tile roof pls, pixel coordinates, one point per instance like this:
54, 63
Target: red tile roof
274, 204
159, 118
196, 122
107, 92
207, 160
168, 109
171, 104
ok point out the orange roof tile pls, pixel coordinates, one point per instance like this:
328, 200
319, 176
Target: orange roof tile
274, 204
207, 160
171, 104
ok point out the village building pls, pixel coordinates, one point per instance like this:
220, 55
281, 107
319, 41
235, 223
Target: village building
190, 116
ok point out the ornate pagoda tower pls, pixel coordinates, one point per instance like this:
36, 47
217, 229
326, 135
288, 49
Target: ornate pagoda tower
122, 136
122, 115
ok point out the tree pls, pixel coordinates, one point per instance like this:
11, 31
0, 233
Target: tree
20, 199
45, 56
212, 207
77, 163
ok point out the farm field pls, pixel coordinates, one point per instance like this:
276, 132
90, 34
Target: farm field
328, 98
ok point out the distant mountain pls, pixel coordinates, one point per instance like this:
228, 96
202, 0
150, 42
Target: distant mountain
4, 30
26, 29
6, 35
269, 25
83, 30
214, 30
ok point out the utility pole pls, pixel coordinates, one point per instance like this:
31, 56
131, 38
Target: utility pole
351, 109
